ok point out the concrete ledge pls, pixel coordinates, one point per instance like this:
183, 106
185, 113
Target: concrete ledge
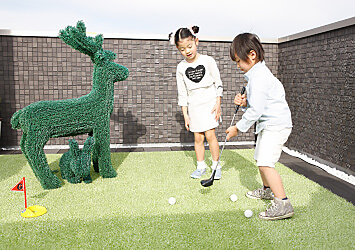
28, 33
322, 29
142, 145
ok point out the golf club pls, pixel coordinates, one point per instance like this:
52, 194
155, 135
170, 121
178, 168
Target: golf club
209, 182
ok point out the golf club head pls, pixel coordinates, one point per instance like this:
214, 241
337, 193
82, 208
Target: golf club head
207, 183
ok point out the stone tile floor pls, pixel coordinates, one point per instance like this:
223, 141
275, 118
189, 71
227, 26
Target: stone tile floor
330, 182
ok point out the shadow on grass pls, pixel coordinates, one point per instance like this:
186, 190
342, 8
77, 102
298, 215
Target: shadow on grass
227, 230
11, 166
117, 159
213, 230
40, 195
248, 172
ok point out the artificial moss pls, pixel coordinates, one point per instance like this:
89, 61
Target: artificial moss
43, 120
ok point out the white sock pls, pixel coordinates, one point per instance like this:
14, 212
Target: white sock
201, 165
214, 165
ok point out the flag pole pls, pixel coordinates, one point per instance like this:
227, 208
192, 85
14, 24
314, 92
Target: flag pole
24, 189
32, 211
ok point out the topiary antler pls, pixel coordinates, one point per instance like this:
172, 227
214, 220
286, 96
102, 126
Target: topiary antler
76, 38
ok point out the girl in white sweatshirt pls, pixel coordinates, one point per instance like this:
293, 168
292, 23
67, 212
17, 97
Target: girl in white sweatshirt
199, 91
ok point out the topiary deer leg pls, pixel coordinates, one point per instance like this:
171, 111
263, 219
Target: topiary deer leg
22, 145
34, 144
95, 155
102, 152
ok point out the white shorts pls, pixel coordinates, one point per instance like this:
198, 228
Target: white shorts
269, 145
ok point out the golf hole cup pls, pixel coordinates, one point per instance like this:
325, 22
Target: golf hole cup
233, 197
172, 200
248, 213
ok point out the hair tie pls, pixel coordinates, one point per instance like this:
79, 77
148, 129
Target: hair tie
172, 34
172, 38
191, 30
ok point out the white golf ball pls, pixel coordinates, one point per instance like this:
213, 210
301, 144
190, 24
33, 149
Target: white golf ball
172, 200
248, 213
233, 197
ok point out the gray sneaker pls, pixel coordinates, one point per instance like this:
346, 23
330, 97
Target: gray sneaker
260, 193
280, 209
198, 173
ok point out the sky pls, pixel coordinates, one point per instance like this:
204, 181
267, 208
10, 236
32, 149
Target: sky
216, 18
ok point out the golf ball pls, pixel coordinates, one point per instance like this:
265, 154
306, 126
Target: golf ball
172, 200
248, 213
233, 197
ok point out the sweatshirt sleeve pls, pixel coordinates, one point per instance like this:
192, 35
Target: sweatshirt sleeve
256, 96
182, 91
216, 77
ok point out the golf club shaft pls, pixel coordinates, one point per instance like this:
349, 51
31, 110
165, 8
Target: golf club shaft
225, 140
224, 144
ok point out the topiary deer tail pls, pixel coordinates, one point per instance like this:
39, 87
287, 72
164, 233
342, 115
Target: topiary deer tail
15, 120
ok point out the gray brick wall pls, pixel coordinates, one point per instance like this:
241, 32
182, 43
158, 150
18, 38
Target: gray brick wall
145, 111
318, 75
317, 72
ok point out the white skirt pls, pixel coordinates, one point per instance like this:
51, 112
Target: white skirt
200, 105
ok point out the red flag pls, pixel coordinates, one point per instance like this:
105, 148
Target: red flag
19, 186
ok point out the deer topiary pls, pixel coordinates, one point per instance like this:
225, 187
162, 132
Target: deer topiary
91, 113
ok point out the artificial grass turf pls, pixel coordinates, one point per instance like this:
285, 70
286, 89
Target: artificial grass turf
132, 210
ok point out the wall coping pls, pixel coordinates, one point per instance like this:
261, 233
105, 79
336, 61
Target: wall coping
321, 29
318, 30
28, 33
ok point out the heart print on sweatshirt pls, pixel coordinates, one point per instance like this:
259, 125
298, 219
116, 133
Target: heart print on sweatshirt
195, 74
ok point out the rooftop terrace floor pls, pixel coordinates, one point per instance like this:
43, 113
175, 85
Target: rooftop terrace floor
328, 181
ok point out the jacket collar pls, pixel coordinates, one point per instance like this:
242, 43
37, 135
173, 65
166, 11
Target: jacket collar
254, 69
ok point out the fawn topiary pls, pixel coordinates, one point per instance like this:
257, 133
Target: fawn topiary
75, 164
91, 113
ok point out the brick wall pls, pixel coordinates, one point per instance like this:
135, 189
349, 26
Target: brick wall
318, 75
317, 72
145, 110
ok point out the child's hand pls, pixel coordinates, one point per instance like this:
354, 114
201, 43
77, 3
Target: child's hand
240, 100
217, 109
187, 123
232, 131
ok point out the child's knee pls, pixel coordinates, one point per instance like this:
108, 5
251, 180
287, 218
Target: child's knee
199, 137
211, 137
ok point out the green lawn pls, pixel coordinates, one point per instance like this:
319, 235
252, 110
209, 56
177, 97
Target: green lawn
132, 210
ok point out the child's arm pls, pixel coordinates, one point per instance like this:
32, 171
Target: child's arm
182, 89
186, 117
216, 76
257, 98
218, 85
217, 108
